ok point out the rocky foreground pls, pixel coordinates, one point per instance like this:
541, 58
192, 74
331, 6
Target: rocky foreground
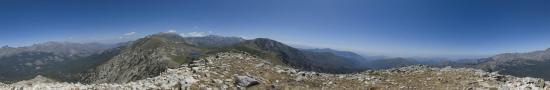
238, 70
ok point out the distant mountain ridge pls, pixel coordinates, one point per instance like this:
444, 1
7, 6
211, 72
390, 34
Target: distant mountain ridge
52, 59
148, 56
283, 54
531, 64
536, 55
58, 48
346, 54
213, 41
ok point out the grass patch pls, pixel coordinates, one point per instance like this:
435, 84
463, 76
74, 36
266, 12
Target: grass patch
181, 59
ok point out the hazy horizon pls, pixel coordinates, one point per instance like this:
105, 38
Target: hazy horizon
134, 35
421, 28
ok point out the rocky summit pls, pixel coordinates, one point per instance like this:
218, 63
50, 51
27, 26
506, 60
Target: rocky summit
143, 58
235, 70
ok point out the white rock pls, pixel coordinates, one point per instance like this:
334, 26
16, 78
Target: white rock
246, 81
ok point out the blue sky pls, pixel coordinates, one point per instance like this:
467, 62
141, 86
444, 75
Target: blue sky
427, 28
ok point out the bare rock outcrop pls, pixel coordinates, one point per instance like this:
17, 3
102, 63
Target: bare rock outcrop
144, 58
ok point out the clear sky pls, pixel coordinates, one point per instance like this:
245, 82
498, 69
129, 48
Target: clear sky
429, 28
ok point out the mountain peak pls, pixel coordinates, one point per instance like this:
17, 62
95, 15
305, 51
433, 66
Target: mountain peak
154, 53
267, 41
213, 41
219, 36
164, 34
162, 38
5, 46
264, 39
269, 44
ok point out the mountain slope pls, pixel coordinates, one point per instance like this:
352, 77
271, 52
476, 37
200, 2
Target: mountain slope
531, 64
283, 54
143, 58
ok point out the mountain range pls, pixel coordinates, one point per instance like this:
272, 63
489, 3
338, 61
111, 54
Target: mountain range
149, 56
54, 59
530, 64
153, 54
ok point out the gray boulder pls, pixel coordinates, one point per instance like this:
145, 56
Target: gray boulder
246, 81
